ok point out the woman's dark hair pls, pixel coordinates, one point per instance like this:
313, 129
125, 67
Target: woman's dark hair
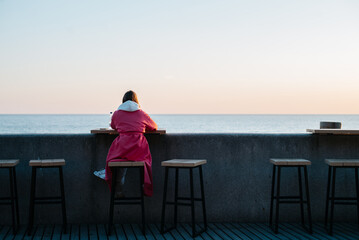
130, 95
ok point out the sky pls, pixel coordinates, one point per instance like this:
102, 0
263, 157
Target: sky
180, 57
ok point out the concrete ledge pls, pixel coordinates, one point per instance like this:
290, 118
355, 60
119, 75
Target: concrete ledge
237, 175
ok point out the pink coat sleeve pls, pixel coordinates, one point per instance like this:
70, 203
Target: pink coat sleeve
150, 124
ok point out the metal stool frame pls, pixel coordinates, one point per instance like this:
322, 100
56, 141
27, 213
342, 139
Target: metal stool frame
46, 200
183, 201
126, 200
290, 199
331, 200
12, 199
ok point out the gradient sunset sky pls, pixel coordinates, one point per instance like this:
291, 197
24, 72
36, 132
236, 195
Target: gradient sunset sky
223, 56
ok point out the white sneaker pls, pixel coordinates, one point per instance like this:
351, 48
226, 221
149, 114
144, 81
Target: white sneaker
100, 174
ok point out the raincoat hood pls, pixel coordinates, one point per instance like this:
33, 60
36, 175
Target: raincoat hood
129, 106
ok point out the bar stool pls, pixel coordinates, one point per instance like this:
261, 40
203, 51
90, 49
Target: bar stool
189, 164
13, 198
46, 163
331, 199
285, 163
126, 200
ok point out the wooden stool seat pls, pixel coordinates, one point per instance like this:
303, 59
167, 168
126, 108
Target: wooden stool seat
183, 163
331, 199
47, 163
126, 164
278, 165
11, 200
9, 162
292, 161
342, 162
34, 200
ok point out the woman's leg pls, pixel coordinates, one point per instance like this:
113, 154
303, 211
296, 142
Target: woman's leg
120, 181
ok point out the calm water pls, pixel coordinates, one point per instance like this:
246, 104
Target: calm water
73, 123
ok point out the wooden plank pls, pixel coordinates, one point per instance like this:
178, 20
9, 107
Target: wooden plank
167, 235
48, 231
68, 234
27, 237
84, 232
101, 230
92, 228
155, 232
185, 232
149, 233
213, 235
297, 230
138, 231
114, 233
4, 231
319, 228
348, 231
129, 233
218, 231
57, 232
20, 232
75, 232
120, 232
39, 232
231, 229
269, 232
334, 131
245, 231
183, 162
188, 228
9, 162
256, 231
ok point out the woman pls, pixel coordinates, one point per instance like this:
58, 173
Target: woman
131, 145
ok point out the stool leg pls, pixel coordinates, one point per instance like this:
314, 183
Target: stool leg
328, 194
16, 199
176, 198
113, 189
272, 197
63, 202
192, 202
308, 199
332, 203
164, 201
203, 198
12, 195
141, 171
277, 202
32, 199
301, 194
357, 190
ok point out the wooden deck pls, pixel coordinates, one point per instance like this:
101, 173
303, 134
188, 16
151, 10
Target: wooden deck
215, 231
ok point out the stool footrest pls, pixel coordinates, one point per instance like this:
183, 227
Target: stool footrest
179, 203
288, 201
343, 198
189, 199
346, 203
287, 197
126, 203
6, 203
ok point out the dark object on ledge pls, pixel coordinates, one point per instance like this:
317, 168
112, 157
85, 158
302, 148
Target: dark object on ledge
330, 125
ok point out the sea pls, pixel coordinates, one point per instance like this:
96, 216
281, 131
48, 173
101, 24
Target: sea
173, 123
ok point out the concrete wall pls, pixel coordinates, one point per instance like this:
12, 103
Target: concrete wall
237, 176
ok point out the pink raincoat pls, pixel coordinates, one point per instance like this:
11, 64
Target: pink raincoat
131, 145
